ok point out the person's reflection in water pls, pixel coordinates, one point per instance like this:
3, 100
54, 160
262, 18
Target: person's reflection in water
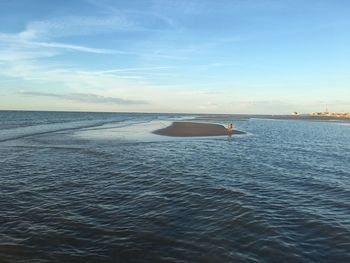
229, 138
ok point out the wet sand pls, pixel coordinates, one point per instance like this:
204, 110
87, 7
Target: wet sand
192, 129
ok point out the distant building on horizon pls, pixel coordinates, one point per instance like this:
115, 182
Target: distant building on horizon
331, 114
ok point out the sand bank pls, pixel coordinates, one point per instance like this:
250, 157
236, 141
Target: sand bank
189, 129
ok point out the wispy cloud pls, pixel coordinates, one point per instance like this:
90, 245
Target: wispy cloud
15, 54
134, 69
39, 38
37, 42
84, 97
75, 47
80, 78
75, 26
149, 15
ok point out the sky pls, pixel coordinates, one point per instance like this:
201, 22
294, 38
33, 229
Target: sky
185, 56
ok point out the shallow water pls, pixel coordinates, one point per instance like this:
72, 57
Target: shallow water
99, 187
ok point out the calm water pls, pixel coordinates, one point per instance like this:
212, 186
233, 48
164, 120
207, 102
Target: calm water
99, 187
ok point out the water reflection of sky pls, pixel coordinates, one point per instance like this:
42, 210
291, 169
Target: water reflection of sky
135, 131
140, 131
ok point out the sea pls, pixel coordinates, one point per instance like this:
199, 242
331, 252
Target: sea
101, 187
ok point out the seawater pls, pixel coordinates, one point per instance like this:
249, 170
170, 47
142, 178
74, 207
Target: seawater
100, 187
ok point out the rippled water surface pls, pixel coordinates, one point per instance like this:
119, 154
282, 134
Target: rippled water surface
99, 187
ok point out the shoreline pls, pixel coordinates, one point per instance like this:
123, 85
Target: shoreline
194, 129
244, 117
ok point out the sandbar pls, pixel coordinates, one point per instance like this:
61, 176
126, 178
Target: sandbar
193, 129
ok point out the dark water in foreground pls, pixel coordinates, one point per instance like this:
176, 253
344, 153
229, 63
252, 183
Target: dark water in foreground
94, 187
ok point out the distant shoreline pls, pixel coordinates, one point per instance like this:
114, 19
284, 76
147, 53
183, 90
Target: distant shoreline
200, 116
277, 117
193, 129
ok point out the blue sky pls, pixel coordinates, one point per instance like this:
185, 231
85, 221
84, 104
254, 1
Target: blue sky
200, 56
